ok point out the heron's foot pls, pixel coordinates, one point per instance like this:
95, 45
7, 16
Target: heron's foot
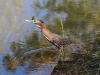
61, 53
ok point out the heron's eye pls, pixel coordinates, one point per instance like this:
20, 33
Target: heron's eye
34, 21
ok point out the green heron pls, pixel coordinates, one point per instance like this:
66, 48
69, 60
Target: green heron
55, 39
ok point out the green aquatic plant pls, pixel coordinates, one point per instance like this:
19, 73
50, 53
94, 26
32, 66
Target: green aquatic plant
62, 26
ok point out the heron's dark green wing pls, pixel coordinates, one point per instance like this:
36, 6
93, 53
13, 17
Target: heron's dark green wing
61, 41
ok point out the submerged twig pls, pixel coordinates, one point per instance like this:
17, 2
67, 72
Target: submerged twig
34, 51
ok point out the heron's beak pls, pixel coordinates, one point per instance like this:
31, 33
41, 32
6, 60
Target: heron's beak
33, 21
29, 20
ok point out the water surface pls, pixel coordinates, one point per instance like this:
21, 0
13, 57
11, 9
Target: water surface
81, 20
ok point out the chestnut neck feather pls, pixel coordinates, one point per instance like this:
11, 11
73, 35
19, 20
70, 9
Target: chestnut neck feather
45, 31
43, 26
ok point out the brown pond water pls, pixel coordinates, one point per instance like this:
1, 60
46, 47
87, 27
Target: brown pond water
23, 49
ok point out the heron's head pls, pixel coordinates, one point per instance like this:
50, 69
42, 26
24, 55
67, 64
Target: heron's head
35, 21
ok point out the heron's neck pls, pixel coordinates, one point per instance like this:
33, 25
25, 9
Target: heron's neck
43, 26
45, 31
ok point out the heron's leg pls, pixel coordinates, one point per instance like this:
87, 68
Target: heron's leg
62, 51
61, 54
